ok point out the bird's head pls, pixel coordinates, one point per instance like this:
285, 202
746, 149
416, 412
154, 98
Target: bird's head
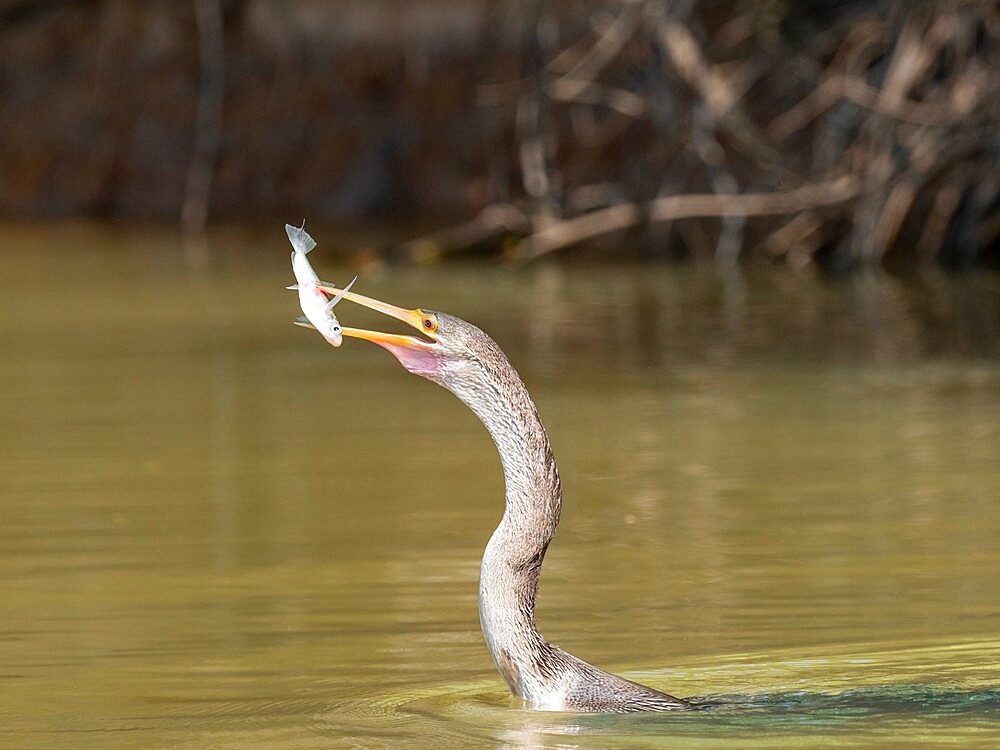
449, 351
463, 359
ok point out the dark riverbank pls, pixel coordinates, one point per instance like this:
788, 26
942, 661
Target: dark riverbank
843, 133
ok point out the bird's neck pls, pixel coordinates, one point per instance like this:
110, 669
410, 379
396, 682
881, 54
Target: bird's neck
513, 558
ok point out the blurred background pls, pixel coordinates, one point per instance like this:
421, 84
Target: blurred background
841, 132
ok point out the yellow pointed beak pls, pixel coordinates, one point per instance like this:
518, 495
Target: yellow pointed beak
415, 318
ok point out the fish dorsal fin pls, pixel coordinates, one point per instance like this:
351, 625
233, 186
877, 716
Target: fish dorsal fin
303, 321
339, 295
300, 238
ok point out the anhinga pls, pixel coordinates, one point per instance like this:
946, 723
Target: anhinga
468, 363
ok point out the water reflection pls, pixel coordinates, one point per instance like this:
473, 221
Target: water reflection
655, 317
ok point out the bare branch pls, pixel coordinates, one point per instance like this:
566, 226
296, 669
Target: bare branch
669, 208
211, 53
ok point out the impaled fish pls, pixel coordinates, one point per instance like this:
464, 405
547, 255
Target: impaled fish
317, 307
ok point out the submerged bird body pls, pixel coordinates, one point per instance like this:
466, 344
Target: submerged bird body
463, 359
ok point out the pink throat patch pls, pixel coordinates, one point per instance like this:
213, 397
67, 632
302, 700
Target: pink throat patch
419, 361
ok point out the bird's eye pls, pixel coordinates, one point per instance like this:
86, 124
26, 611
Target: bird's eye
430, 323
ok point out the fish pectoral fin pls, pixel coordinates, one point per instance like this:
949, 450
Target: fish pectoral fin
303, 321
292, 287
339, 295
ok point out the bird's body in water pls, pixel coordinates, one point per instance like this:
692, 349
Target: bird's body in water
463, 359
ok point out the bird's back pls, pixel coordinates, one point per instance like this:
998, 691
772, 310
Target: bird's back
583, 687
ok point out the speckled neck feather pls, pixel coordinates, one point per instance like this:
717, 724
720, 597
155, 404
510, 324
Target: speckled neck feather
545, 676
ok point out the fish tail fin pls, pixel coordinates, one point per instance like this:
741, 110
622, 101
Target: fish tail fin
300, 238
